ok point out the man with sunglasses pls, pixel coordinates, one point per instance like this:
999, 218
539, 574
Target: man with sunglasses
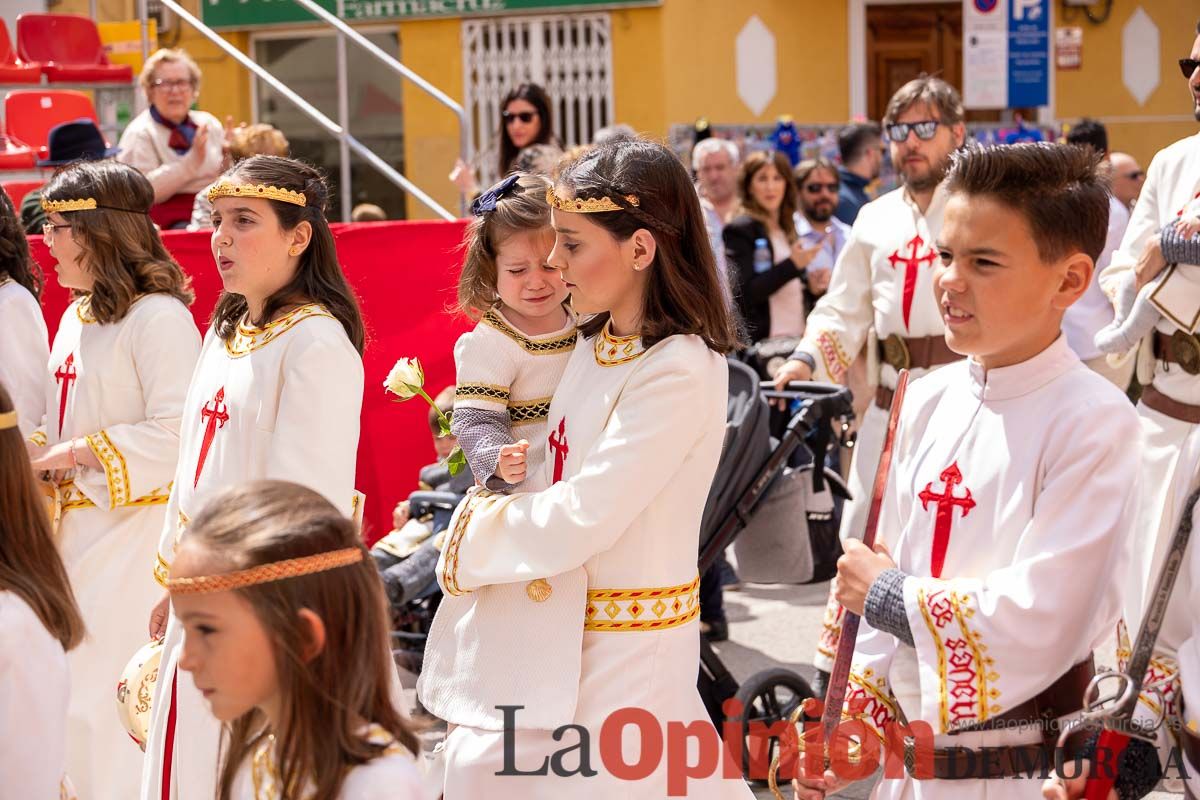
1127, 178
817, 186
883, 282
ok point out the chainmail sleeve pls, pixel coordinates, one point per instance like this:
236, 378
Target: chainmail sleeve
884, 609
481, 434
1179, 249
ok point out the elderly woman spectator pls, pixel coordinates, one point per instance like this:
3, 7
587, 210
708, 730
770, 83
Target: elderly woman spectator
770, 285
244, 141
179, 150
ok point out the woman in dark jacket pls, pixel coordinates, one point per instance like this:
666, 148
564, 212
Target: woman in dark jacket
772, 301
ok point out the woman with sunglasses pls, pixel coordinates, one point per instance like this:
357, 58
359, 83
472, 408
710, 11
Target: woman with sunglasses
114, 395
525, 120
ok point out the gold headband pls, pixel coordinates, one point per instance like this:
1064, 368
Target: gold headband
591, 206
82, 204
266, 573
227, 189
8, 420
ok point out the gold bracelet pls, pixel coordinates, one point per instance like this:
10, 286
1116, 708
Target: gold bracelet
74, 460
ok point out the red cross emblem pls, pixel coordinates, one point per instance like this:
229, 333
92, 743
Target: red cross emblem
945, 513
912, 263
558, 443
214, 414
64, 375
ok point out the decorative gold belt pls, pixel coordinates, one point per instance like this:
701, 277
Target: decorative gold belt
642, 609
72, 498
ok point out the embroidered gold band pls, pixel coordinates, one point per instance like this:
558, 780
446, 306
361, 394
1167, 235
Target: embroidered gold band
589, 206
8, 420
266, 573
642, 609
82, 204
261, 190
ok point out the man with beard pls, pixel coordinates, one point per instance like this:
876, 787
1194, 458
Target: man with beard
817, 186
883, 283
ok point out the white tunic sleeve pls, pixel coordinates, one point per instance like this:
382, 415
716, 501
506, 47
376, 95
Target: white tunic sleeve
503, 539
24, 354
315, 442
139, 453
1144, 224
985, 645
33, 703
837, 326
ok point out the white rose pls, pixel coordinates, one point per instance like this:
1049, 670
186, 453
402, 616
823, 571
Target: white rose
405, 378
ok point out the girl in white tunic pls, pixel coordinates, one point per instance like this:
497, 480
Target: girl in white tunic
637, 422
287, 637
114, 393
39, 621
24, 349
507, 370
276, 394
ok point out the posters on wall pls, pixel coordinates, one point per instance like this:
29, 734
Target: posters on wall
1006, 53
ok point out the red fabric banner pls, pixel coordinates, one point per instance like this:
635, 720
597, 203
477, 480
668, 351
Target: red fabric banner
405, 275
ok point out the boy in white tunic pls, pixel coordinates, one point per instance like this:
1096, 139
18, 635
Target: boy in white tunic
277, 393
113, 392
24, 348
881, 291
1010, 496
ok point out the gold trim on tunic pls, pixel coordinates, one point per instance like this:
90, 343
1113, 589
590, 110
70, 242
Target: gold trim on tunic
481, 391
83, 310
37, 438
538, 347
613, 351
247, 338
115, 470
650, 609
528, 412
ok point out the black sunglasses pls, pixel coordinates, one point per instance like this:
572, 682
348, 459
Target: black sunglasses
925, 129
813, 188
525, 116
1188, 65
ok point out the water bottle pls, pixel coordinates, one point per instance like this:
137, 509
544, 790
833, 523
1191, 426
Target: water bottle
762, 255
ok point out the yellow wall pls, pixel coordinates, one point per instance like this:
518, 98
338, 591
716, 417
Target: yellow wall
432, 49
1097, 89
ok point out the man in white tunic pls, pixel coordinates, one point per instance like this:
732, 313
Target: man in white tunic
1011, 479
24, 351
883, 283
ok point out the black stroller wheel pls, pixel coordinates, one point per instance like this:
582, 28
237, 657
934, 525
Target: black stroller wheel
767, 697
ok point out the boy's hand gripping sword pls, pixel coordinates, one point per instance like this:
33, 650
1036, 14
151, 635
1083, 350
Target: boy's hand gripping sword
1114, 712
839, 677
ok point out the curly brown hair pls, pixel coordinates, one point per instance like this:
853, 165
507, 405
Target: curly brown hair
121, 248
523, 209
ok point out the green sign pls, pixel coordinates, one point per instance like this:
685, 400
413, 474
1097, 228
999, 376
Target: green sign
252, 13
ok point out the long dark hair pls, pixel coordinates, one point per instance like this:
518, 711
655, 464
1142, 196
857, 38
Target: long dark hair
326, 698
536, 96
319, 277
684, 293
121, 248
15, 260
30, 566
751, 166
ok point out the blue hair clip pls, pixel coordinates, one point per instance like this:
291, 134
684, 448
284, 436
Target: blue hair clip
487, 201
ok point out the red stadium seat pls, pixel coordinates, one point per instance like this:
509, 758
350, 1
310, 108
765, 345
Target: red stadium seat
68, 48
14, 155
173, 211
16, 190
13, 70
30, 114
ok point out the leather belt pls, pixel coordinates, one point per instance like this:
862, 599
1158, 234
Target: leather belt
1180, 348
1158, 401
921, 352
883, 397
1061, 698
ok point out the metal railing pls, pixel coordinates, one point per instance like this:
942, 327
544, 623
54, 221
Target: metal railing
347, 142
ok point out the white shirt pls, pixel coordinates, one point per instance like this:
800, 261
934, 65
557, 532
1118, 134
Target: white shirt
24, 351
1094, 310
